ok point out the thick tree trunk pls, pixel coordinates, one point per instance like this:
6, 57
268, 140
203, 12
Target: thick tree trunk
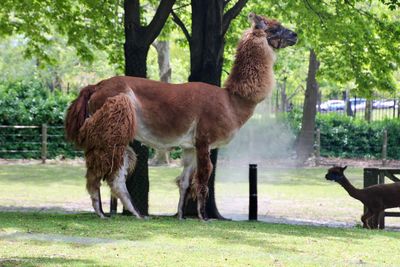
138, 182
206, 58
305, 140
138, 39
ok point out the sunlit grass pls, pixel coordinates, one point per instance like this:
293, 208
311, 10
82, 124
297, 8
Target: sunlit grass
169, 242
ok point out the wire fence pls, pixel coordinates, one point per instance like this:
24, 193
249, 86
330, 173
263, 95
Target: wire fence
36, 142
370, 110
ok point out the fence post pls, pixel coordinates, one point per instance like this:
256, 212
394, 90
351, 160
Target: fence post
318, 147
384, 148
44, 142
253, 206
371, 177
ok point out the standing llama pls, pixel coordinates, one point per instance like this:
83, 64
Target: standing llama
195, 116
376, 198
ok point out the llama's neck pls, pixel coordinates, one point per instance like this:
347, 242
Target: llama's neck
353, 192
252, 77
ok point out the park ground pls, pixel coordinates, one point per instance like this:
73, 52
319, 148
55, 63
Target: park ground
46, 220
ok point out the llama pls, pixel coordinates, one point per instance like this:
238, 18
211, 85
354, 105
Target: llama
195, 116
376, 198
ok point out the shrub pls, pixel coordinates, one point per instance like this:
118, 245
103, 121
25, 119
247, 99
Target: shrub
343, 136
30, 103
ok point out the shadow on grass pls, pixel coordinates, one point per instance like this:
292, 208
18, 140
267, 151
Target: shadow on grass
44, 261
256, 234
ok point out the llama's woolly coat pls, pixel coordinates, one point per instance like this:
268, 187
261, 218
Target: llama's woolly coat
104, 142
195, 116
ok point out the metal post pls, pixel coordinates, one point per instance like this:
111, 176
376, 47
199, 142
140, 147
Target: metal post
384, 148
44, 142
253, 192
113, 205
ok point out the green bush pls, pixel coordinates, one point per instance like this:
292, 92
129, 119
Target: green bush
31, 103
343, 136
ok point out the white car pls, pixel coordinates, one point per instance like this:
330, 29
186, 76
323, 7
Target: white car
332, 105
384, 104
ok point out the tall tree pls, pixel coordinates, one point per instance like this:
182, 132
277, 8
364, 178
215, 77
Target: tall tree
209, 25
354, 41
305, 140
138, 39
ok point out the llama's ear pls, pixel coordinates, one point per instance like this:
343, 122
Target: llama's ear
345, 167
257, 21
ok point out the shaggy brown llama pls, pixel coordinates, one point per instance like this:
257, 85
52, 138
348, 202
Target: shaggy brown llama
376, 198
195, 116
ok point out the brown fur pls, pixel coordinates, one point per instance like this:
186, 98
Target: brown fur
196, 116
106, 134
77, 114
376, 198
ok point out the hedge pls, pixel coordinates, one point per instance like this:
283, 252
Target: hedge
348, 137
31, 103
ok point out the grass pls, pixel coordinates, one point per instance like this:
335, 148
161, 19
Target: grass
36, 238
168, 242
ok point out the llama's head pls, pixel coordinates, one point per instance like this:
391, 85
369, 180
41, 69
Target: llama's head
335, 173
277, 35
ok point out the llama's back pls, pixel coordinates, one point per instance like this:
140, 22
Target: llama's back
389, 194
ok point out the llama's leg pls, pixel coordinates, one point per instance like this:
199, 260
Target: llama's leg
375, 220
93, 187
118, 187
203, 172
366, 219
189, 165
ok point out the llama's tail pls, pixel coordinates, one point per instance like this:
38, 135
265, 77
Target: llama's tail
106, 135
77, 113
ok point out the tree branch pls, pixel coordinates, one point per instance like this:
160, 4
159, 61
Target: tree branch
181, 25
159, 19
226, 2
313, 10
231, 14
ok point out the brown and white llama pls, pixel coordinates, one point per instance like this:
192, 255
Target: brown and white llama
376, 198
195, 116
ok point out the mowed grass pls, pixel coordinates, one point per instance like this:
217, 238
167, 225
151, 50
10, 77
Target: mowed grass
37, 238
125, 241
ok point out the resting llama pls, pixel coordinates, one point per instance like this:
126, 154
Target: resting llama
376, 198
195, 116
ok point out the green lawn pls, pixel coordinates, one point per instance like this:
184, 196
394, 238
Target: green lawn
123, 241
37, 238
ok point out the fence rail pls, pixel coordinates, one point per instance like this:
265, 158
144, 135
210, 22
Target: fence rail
33, 141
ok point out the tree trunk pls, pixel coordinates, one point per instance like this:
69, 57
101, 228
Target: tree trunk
368, 110
138, 39
161, 157
164, 67
206, 58
209, 25
305, 140
138, 182
283, 96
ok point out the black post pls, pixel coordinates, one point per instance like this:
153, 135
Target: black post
253, 192
113, 205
